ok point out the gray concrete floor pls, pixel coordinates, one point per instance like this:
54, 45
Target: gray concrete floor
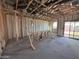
58, 48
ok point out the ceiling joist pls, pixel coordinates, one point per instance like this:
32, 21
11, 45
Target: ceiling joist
29, 4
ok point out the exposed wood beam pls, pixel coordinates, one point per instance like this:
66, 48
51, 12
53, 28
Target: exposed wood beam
51, 6
48, 15
41, 3
36, 9
54, 4
29, 4
16, 4
70, 12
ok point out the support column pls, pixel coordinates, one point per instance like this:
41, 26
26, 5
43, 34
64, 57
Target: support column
60, 29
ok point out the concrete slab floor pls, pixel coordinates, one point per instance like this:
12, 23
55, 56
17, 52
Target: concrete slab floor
58, 48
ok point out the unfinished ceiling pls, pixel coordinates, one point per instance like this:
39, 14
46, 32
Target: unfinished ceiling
46, 8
